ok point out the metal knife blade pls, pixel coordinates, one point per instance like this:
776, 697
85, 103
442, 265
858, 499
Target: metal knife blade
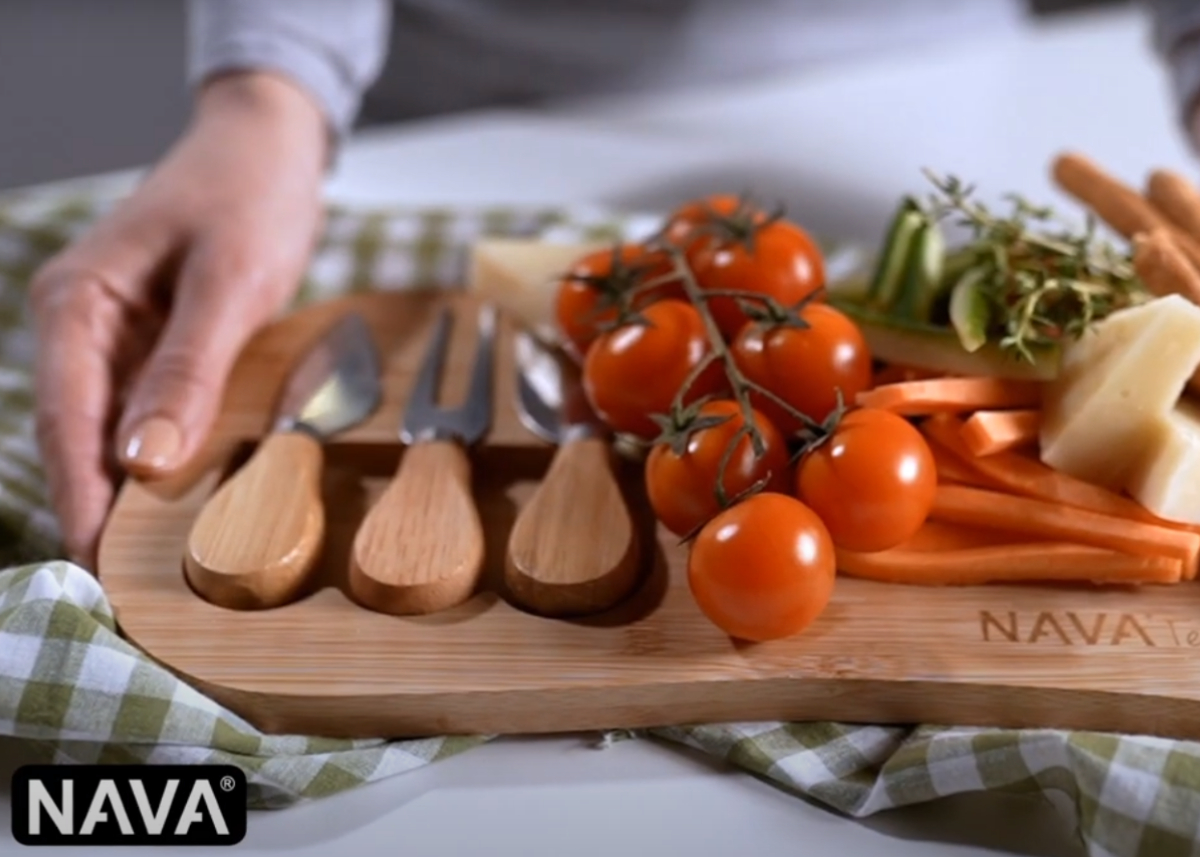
550, 398
335, 385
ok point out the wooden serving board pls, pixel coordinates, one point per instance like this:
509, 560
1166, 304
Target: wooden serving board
1015, 656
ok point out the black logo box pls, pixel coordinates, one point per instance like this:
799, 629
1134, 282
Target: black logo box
129, 805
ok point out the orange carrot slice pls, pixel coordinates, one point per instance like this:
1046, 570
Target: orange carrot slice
1038, 562
952, 395
989, 432
1030, 518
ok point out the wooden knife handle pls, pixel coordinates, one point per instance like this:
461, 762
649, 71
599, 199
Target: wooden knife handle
420, 548
574, 549
259, 535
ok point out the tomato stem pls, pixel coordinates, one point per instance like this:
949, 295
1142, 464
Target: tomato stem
617, 289
736, 379
741, 225
809, 423
726, 458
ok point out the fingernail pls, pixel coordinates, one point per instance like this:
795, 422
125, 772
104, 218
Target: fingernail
155, 443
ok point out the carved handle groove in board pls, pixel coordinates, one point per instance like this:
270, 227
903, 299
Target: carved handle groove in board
420, 549
573, 549
257, 538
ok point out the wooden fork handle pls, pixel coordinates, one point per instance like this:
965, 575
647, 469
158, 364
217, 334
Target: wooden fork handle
573, 549
420, 548
257, 538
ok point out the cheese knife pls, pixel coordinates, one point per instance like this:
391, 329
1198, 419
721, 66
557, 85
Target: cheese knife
573, 549
259, 535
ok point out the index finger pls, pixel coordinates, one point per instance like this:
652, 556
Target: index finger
74, 389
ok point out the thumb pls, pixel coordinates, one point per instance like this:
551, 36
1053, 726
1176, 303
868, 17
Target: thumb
218, 305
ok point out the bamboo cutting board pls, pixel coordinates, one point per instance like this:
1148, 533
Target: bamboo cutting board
1014, 656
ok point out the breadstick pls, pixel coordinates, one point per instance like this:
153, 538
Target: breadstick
1162, 267
1117, 204
1165, 271
1177, 199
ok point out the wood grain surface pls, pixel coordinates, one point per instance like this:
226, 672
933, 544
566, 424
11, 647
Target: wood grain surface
1016, 656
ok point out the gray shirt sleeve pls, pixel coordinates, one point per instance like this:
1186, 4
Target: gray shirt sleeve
334, 49
1176, 35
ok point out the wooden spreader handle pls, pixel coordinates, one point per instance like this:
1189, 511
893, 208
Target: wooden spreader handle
573, 549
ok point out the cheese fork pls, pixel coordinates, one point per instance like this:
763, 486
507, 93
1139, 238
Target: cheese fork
420, 549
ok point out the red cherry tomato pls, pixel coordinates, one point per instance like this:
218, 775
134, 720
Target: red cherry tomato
763, 569
682, 487
692, 224
587, 296
636, 370
873, 481
780, 261
806, 367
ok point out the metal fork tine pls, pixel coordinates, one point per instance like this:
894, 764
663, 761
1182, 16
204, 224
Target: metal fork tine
423, 419
422, 403
477, 410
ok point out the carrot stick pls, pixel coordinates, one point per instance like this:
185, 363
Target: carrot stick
950, 468
951, 395
989, 432
1114, 202
940, 536
1177, 199
1040, 562
1029, 477
896, 374
1039, 519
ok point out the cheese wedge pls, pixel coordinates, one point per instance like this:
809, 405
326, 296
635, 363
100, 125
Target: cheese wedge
521, 276
1116, 385
1167, 480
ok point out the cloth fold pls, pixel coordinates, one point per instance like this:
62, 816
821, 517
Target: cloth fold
78, 693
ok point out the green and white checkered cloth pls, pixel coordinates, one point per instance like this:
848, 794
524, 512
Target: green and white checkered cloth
73, 688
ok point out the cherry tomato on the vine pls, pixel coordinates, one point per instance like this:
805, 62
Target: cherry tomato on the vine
763, 569
587, 295
697, 222
682, 487
636, 370
780, 260
873, 481
804, 366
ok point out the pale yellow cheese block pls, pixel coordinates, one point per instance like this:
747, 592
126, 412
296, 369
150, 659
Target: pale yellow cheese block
1103, 413
521, 275
1167, 481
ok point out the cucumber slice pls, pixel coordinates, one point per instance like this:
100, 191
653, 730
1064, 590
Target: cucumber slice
970, 310
922, 274
889, 270
911, 343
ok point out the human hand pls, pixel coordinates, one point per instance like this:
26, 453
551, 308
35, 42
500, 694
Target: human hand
139, 323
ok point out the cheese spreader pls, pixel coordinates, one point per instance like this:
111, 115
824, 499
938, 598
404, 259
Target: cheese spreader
573, 549
259, 535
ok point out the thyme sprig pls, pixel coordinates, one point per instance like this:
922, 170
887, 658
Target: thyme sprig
1043, 281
